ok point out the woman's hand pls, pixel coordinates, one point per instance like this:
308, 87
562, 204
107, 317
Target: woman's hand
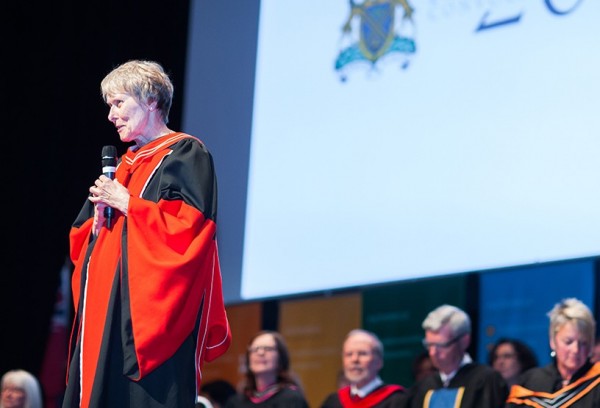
106, 192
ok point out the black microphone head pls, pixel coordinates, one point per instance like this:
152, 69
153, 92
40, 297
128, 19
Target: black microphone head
109, 156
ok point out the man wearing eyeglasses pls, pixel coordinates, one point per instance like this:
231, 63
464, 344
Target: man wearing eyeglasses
460, 382
362, 358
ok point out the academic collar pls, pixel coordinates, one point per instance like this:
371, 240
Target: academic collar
364, 391
447, 377
261, 396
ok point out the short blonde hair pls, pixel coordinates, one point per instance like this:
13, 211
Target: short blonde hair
146, 81
575, 311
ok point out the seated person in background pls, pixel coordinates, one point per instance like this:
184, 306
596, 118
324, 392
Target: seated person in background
217, 392
460, 382
362, 358
422, 366
511, 357
269, 381
20, 389
570, 379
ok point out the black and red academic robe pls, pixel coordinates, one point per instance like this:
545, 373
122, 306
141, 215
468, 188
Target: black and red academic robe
147, 293
385, 396
541, 387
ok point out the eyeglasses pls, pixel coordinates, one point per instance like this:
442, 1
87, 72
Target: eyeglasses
13, 390
264, 349
447, 344
505, 356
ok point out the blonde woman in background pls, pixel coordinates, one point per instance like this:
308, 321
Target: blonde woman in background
571, 379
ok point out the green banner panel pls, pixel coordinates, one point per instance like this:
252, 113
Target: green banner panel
395, 313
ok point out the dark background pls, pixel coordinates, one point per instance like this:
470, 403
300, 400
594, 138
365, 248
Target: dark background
55, 55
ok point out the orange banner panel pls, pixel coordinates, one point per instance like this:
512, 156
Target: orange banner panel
315, 330
245, 321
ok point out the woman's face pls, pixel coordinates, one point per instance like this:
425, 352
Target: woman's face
130, 117
506, 361
572, 348
12, 396
263, 356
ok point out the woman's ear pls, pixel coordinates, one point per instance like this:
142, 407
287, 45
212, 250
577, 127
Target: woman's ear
151, 105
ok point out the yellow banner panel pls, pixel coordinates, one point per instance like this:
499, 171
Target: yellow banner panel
245, 322
314, 330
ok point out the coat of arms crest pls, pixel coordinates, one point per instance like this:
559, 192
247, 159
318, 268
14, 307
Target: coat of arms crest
376, 28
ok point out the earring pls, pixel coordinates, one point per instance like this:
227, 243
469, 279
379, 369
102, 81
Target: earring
553, 354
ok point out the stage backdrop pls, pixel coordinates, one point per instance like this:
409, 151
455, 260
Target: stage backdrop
467, 142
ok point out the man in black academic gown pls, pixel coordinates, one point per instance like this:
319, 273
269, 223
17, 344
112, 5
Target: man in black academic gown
460, 382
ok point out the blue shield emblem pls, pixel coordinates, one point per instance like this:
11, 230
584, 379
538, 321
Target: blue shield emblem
376, 29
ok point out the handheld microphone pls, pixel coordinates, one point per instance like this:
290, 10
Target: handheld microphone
109, 167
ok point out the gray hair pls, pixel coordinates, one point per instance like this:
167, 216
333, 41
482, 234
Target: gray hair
575, 311
146, 81
458, 321
377, 344
28, 383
